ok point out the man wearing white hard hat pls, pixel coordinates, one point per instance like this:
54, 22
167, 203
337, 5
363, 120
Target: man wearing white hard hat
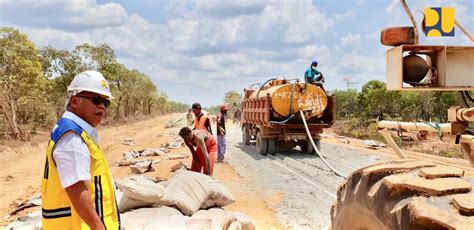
77, 187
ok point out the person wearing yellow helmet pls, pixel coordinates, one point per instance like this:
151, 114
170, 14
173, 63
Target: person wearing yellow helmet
77, 187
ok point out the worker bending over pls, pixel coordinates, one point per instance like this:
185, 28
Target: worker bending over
203, 147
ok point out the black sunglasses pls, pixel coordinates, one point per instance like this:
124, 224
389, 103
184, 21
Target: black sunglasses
96, 100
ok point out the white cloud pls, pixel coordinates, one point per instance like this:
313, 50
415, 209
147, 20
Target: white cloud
393, 6
348, 14
350, 39
228, 9
65, 15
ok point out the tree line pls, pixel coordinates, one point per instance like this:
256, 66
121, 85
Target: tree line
360, 109
33, 84
374, 101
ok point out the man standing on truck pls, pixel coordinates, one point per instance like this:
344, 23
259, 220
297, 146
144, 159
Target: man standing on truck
220, 127
201, 121
77, 187
313, 76
203, 147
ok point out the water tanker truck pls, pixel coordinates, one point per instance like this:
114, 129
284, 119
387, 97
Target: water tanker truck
271, 115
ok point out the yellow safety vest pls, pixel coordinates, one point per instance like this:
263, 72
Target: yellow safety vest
57, 210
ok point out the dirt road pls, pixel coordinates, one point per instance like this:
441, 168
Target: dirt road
306, 186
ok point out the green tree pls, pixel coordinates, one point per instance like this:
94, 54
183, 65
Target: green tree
60, 67
346, 102
375, 101
234, 99
20, 71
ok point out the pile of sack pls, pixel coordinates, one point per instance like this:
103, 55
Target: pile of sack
189, 200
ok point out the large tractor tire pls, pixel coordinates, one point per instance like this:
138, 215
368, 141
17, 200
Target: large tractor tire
246, 135
261, 144
405, 194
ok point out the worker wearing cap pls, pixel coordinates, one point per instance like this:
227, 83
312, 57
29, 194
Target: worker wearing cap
77, 187
203, 147
201, 121
221, 120
313, 76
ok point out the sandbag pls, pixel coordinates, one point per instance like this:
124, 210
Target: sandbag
174, 222
220, 218
235, 226
245, 222
151, 152
129, 162
142, 168
198, 223
126, 203
137, 192
141, 188
189, 191
143, 217
30, 221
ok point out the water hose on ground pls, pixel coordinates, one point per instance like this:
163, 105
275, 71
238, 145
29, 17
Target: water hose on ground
310, 138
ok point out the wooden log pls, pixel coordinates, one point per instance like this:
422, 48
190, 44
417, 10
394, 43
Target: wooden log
392, 144
395, 36
414, 126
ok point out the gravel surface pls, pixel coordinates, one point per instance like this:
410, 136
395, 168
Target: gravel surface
309, 187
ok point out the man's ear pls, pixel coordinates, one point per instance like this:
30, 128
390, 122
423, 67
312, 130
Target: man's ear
74, 102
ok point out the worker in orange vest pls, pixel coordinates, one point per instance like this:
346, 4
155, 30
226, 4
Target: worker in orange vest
201, 121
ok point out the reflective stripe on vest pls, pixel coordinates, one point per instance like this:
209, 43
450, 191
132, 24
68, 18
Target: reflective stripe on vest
200, 123
57, 209
56, 213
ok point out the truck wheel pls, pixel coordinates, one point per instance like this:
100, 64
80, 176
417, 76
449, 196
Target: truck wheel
404, 194
271, 145
317, 142
262, 144
245, 135
306, 147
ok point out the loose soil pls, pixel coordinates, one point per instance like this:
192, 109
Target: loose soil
23, 164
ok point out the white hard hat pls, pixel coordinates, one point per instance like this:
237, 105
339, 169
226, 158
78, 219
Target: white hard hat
91, 81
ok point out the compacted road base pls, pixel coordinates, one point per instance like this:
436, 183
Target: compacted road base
306, 186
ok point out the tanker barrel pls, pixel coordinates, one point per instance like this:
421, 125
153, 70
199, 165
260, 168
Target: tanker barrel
287, 99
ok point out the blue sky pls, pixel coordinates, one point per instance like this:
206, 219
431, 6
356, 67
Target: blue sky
198, 50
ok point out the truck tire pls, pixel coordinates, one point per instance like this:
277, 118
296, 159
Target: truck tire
306, 147
405, 194
271, 145
245, 135
317, 142
261, 144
